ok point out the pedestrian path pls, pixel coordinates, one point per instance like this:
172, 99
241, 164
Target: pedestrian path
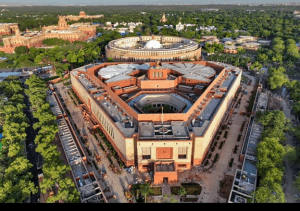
166, 190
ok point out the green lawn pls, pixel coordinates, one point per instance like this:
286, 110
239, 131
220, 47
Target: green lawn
189, 199
191, 188
156, 191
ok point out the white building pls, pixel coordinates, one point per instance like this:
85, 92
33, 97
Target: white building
207, 28
180, 26
165, 26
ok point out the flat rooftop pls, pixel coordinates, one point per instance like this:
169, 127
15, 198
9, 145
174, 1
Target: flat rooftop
184, 93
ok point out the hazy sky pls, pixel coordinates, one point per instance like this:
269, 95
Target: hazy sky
132, 2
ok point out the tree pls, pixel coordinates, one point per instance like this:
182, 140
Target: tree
270, 153
291, 154
241, 50
109, 59
256, 66
20, 50
262, 58
182, 191
269, 194
145, 190
60, 72
277, 80
273, 175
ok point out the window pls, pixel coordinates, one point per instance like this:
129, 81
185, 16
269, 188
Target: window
182, 152
146, 153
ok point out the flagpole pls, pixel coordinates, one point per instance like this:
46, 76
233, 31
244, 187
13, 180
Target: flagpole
162, 119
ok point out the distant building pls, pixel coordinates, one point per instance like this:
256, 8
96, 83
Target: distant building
165, 26
8, 28
81, 15
180, 26
242, 39
232, 49
152, 48
209, 9
73, 32
265, 42
251, 46
3, 58
163, 19
210, 39
207, 28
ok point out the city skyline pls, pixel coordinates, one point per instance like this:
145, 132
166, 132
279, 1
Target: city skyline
133, 2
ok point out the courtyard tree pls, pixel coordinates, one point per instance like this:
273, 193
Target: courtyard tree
269, 194
182, 191
145, 190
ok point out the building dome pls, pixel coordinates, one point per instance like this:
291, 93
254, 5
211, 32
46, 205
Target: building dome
152, 44
81, 13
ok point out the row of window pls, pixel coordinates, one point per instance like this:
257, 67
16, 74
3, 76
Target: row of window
157, 74
103, 120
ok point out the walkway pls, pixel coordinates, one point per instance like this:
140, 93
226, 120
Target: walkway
117, 183
289, 189
210, 180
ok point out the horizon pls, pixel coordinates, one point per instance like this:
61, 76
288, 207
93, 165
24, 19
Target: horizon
149, 2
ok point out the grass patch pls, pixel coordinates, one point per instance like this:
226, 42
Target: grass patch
50, 78
225, 134
231, 162
252, 98
239, 138
192, 188
235, 149
67, 83
156, 191
216, 158
189, 199
242, 126
221, 145
96, 166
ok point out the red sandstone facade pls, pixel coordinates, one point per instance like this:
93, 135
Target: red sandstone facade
82, 15
80, 32
138, 141
8, 28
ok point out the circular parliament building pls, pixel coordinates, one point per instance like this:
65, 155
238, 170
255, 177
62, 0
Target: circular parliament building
152, 48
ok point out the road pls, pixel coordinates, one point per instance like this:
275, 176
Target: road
32, 155
289, 189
